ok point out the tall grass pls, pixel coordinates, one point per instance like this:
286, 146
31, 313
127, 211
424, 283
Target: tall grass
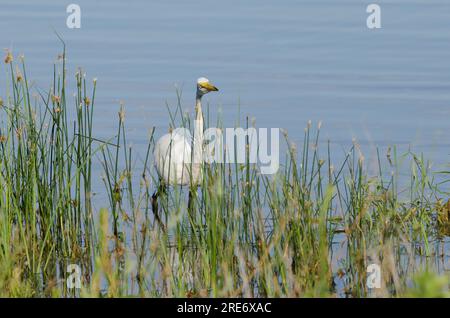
311, 230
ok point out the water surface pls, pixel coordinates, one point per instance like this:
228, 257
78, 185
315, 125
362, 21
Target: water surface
283, 63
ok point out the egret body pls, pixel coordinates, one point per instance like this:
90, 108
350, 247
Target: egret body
178, 157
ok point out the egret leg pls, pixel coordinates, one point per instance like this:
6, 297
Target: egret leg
154, 200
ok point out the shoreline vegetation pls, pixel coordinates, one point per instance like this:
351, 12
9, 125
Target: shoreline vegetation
311, 230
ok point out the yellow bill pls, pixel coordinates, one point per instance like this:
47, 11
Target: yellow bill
208, 86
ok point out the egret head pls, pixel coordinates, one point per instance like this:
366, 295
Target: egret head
204, 86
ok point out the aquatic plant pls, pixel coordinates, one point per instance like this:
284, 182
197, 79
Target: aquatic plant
310, 230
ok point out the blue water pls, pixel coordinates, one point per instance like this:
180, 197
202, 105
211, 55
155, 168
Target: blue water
280, 62
284, 63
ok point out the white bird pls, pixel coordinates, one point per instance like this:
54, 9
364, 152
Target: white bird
178, 157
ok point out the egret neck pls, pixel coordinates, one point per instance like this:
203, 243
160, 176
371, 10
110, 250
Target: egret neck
198, 131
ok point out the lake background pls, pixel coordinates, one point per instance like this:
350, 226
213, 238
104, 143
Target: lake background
280, 62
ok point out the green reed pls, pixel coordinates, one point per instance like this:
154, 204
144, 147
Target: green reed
310, 230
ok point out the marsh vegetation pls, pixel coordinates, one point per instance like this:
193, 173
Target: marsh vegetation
310, 230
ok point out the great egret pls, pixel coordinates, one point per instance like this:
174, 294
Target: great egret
178, 157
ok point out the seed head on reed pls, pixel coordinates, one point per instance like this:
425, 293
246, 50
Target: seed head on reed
293, 146
361, 159
122, 115
19, 76
19, 132
56, 99
8, 57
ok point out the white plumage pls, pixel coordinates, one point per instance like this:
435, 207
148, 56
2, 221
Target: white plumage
172, 158
178, 156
